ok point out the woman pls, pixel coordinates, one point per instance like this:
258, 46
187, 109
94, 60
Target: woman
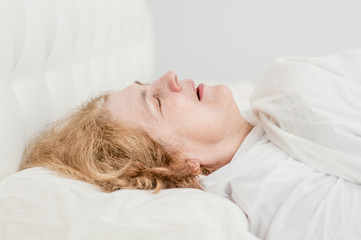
164, 134
146, 136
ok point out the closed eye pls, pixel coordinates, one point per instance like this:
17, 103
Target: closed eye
159, 102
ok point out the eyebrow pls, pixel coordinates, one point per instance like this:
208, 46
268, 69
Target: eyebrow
140, 83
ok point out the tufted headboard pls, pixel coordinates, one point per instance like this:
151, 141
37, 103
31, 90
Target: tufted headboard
54, 54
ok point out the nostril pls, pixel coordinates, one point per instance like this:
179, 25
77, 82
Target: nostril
173, 82
176, 80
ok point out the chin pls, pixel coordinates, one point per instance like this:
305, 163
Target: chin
224, 92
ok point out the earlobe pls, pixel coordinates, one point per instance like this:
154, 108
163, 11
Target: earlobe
195, 165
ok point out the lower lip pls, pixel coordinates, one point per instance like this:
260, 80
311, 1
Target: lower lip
200, 91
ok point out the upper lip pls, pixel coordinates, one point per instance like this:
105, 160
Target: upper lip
195, 90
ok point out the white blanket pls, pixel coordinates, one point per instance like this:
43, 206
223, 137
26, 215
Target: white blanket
37, 204
286, 199
311, 108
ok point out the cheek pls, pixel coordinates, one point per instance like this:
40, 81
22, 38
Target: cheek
223, 95
177, 108
202, 127
172, 141
201, 122
187, 115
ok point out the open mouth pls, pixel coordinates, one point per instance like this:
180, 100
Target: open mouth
200, 91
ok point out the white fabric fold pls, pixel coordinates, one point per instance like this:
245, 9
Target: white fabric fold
310, 107
284, 198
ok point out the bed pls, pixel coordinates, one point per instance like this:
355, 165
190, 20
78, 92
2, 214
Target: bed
54, 54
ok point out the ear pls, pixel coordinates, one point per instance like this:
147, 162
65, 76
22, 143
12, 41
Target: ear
195, 165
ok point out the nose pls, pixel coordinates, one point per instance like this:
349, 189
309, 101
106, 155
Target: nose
170, 81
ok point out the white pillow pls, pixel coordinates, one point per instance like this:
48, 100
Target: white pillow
38, 204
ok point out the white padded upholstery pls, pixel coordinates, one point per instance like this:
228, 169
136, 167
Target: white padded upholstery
54, 54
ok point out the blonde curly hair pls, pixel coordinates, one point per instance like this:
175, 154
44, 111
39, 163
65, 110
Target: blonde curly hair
87, 145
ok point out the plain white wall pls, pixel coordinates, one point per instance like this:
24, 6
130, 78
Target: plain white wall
229, 40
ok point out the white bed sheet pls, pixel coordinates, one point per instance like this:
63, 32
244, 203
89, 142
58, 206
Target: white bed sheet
38, 204
284, 198
311, 108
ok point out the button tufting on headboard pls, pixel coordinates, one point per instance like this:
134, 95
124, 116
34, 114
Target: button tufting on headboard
54, 54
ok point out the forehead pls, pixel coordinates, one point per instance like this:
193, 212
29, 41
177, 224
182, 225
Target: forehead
125, 105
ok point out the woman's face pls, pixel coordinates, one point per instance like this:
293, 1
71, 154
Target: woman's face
202, 123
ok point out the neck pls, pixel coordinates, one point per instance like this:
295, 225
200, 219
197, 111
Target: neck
246, 128
235, 142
